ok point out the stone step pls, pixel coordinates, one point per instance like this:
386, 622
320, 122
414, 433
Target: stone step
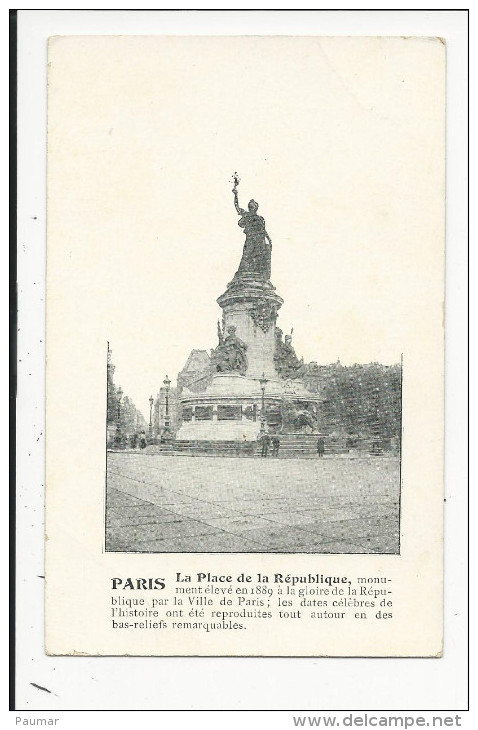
291, 447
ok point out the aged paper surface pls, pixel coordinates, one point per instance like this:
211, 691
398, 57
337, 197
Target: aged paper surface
341, 141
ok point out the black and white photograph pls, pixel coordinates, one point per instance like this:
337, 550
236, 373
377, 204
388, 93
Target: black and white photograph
290, 456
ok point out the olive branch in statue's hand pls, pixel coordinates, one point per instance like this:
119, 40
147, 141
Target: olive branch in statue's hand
235, 180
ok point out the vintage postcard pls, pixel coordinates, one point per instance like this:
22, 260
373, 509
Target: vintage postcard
245, 345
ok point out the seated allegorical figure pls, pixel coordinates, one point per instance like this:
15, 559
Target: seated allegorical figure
230, 354
286, 361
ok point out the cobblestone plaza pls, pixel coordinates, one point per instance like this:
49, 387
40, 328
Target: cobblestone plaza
172, 503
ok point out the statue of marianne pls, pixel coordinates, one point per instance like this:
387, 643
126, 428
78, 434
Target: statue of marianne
256, 255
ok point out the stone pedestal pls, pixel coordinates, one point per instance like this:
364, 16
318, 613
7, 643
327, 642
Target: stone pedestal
229, 409
251, 305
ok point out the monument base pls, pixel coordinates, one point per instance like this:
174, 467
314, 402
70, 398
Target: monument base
236, 431
230, 408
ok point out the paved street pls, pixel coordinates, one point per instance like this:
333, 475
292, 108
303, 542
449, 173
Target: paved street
166, 503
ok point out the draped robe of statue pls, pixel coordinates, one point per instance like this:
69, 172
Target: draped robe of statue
256, 255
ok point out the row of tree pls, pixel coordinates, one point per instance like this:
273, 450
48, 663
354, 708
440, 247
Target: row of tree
362, 401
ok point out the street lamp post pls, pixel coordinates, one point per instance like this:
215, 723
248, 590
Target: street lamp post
167, 384
151, 401
263, 381
120, 395
118, 416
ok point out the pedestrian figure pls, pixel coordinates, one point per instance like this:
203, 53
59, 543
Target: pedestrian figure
134, 440
275, 445
265, 440
142, 440
320, 446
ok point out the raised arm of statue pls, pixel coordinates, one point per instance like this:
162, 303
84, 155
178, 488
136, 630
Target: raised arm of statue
236, 203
